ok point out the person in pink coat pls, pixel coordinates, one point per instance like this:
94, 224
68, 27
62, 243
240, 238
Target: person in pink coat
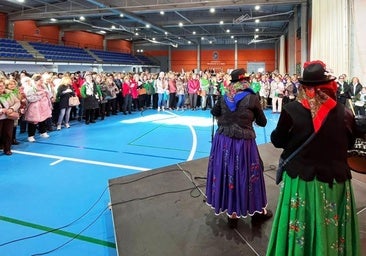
134, 92
39, 108
127, 94
193, 89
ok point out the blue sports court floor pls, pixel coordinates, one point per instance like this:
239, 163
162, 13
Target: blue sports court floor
55, 191
55, 196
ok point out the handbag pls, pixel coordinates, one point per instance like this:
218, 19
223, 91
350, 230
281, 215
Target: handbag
74, 101
13, 115
282, 162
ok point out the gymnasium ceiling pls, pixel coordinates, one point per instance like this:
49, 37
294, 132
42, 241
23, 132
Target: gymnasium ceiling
158, 21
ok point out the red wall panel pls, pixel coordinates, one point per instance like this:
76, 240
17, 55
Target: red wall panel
3, 22
119, 46
27, 30
217, 59
83, 39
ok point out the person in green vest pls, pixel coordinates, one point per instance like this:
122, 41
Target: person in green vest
204, 87
255, 85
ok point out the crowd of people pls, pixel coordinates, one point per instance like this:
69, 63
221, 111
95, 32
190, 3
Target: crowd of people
44, 97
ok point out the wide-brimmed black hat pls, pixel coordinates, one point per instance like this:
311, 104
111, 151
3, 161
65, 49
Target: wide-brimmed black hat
238, 75
315, 74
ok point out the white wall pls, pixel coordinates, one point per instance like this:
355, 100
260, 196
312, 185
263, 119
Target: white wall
358, 40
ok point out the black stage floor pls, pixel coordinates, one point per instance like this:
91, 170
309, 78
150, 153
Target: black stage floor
162, 212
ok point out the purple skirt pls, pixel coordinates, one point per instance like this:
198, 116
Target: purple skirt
235, 182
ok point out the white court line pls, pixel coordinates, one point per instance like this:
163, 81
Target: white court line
58, 161
361, 211
194, 138
61, 158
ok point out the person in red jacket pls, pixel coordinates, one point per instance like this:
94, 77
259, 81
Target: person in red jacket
77, 82
135, 81
127, 94
193, 90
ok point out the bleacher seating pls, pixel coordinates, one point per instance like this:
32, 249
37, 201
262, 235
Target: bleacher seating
116, 57
13, 50
62, 53
145, 60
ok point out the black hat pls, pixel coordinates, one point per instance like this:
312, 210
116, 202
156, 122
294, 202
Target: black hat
238, 75
315, 74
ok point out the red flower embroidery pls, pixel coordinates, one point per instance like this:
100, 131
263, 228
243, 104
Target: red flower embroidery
294, 228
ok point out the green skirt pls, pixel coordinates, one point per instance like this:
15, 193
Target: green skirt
314, 219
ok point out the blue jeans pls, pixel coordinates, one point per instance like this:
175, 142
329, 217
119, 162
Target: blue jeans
64, 112
180, 103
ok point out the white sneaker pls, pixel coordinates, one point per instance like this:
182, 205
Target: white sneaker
58, 127
67, 125
158, 108
31, 139
45, 135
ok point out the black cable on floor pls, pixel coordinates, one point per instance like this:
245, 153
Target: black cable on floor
58, 228
74, 237
194, 188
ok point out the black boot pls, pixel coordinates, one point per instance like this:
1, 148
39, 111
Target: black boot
260, 217
232, 222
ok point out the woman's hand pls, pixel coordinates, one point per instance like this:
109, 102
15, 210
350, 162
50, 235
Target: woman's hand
8, 111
